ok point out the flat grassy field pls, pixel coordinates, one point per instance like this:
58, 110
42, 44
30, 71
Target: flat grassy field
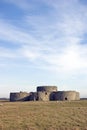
62, 115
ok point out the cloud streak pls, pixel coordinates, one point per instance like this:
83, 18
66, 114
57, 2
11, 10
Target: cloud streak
53, 40
56, 43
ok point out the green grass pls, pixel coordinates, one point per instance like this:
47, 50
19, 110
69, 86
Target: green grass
43, 115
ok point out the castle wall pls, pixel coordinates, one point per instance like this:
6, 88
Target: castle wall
43, 96
66, 95
77, 96
45, 93
47, 88
55, 96
19, 96
33, 96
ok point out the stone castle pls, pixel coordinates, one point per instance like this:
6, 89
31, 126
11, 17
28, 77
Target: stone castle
45, 93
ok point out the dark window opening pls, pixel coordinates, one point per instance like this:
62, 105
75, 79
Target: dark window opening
46, 93
65, 98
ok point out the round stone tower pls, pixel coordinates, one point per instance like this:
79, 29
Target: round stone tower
47, 88
44, 92
66, 95
19, 96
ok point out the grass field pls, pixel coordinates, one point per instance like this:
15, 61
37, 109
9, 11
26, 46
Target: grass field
43, 115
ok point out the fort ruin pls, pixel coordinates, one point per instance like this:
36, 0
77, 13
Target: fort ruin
45, 93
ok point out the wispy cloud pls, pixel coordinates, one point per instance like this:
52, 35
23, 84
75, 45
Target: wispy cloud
50, 37
56, 41
6, 53
14, 34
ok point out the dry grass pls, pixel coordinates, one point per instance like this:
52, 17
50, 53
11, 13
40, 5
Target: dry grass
43, 115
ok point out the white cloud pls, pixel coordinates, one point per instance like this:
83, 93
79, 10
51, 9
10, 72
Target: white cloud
56, 42
48, 41
7, 53
14, 34
32, 53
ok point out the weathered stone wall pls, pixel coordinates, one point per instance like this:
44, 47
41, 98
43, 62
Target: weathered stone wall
43, 96
77, 96
47, 88
19, 96
45, 93
66, 95
33, 96
55, 96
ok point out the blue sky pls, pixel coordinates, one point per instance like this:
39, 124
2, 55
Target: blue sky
43, 43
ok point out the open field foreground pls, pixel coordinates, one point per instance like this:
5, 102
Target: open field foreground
43, 115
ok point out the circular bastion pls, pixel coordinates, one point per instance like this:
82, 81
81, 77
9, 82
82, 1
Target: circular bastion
47, 88
67, 95
19, 96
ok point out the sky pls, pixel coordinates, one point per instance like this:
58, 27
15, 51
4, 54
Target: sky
43, 42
